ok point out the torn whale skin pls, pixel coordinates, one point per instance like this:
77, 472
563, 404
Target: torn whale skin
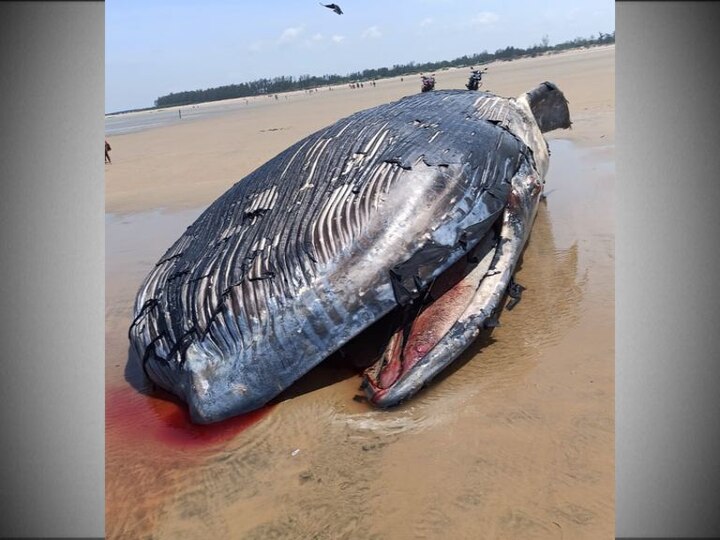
337, 231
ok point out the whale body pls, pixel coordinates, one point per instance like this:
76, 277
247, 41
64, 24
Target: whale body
422, 205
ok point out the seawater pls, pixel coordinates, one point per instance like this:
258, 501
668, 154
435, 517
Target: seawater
124, 123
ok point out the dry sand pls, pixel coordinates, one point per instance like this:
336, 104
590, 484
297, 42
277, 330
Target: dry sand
515, 442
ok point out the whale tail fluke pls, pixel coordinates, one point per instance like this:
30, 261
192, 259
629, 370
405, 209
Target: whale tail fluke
549, 107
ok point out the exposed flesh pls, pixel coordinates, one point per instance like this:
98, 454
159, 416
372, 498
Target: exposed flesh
449, 297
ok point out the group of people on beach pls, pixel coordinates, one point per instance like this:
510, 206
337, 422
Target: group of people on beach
358, 84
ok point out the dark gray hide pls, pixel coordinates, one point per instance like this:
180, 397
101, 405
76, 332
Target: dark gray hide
319, 243
549, 107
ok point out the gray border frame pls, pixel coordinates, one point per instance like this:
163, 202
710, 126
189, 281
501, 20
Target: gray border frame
667, 421
52, 269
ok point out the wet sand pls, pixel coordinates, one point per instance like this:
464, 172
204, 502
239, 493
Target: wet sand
515, 441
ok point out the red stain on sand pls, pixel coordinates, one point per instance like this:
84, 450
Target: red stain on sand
163, 418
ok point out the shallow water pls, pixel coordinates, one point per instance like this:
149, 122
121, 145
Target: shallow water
514, 441
122, 124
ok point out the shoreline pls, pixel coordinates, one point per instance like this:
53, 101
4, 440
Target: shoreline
232, 101
191, 163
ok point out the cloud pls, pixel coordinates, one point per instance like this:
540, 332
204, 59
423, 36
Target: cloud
485, 17
371, 33
427, 21
290, 34
314, 40
337, 39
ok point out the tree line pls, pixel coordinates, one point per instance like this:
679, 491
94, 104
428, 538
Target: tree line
286, 83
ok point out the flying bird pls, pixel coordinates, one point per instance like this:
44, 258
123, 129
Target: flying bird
334, 7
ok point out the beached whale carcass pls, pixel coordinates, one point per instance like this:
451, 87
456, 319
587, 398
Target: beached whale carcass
422, 205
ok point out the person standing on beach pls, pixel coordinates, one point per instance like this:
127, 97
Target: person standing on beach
107, 152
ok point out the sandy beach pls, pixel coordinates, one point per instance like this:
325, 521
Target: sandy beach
515, 441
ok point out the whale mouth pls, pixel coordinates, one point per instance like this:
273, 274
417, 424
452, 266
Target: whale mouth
460, 303
426, 333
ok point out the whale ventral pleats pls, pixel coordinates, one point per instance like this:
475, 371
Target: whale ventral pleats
261, 202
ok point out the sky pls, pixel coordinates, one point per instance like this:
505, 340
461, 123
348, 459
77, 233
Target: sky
155, 48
